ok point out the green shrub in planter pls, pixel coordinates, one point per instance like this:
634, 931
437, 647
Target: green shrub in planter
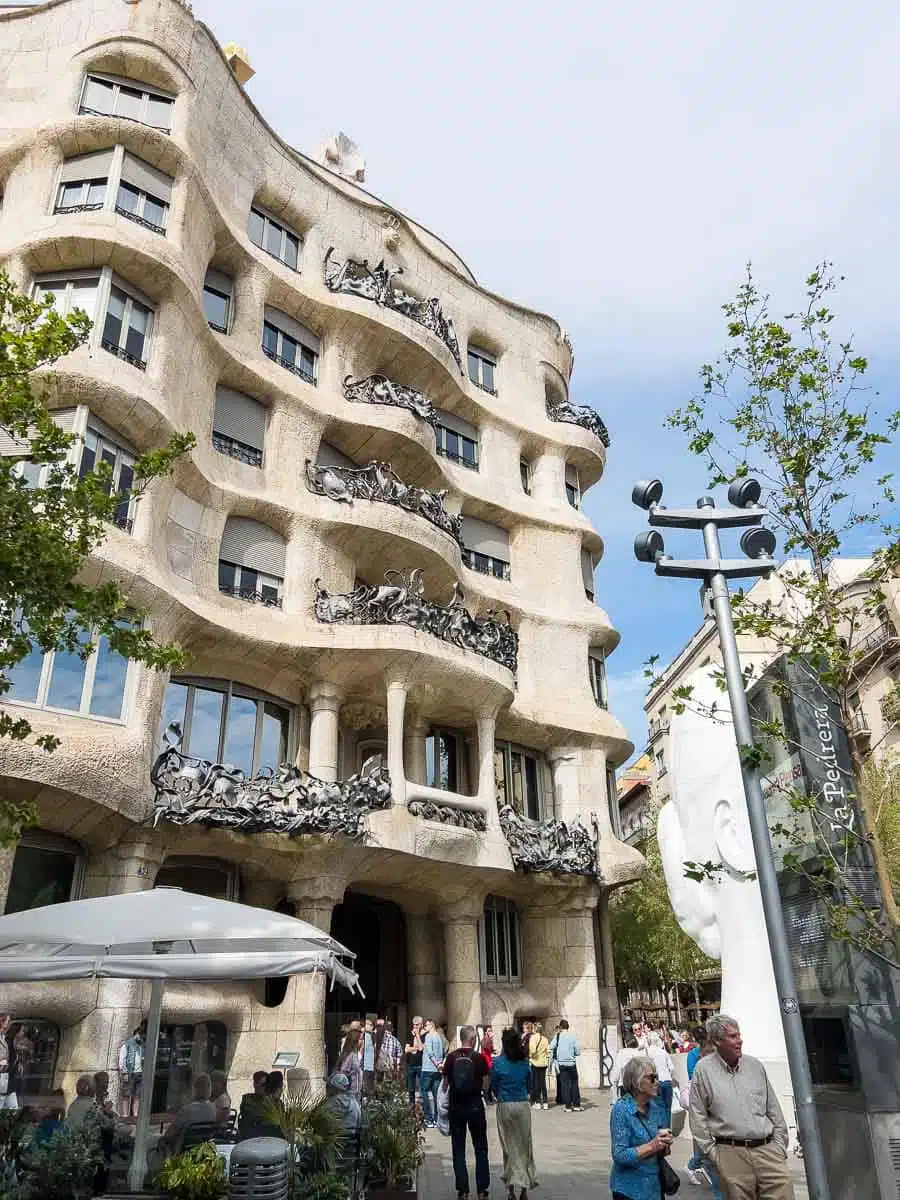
197, 1174
392, 1139
323, 1187
62, 1169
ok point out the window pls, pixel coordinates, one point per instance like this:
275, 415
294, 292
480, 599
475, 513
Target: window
573, 490
485, 547
227, 723
525, 475
108, 96
239, 426
443, 759
76, 290
126, 329
144, 194
184, 1052
660, 763
481, 369
217, 300
47, 869
612, 795
456, 439
35, 1043
251, 562
276, 239
290, 344
597, 674
35, 474
91, 681
202, 876
587, 574
518, 779
501, 956
83, 182
100, 445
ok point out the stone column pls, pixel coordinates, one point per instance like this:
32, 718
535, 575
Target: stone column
7, 858
560, 968
416, 759
397, 692
548, 478
462, 966
564, 766
324, 707
423, 962
487, 787
298, 1023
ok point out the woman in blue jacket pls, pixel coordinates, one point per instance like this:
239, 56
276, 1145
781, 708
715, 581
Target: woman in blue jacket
637, 1126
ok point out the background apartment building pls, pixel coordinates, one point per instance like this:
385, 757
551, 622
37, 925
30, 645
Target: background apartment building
375, 556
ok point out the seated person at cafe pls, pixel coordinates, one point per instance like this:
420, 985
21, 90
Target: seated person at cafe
51, 1117
343, 1103
198, 1111
255, 1106
220, 1098
83, 1102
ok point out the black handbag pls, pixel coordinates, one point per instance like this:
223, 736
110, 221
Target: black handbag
669, 1179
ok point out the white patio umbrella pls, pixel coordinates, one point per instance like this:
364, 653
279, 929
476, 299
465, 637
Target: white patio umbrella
161, 934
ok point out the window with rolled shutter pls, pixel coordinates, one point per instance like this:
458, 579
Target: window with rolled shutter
485, 547
456, 439
144, 194
330, 456
251, 561
83, 182
597, 674
587, 573
573, 488
217, 299
239, 426
290, 344
12, 447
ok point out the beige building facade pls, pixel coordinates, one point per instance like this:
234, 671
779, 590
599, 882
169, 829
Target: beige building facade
394, 719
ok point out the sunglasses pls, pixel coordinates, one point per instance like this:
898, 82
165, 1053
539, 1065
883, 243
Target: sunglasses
652, 1078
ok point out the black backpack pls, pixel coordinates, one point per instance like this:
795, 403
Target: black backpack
463, 1083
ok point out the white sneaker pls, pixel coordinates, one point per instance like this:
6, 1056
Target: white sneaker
698, 1176
535, 1106
546, 1107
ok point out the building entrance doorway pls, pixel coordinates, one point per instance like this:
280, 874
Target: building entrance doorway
376, 932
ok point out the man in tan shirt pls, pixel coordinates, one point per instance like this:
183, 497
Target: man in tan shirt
737, 1120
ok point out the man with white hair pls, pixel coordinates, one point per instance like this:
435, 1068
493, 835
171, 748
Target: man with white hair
736, 1119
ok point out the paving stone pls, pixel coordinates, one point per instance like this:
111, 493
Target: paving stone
571, 1152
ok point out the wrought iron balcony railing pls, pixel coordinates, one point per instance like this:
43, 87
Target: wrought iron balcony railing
124, 355
235, 449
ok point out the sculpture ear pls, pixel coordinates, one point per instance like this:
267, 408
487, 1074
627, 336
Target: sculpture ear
693, 903
731, 832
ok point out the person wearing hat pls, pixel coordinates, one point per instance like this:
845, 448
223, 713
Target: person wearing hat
343, 1103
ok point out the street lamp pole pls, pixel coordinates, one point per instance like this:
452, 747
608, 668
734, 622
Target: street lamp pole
714, 571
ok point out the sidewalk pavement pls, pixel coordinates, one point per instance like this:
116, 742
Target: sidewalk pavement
571, 1153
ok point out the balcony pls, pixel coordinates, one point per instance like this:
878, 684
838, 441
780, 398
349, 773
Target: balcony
235, 449
62, 209
140, 363
878, 639
658, 729
295, 368
268, 597
484, 564
133, 216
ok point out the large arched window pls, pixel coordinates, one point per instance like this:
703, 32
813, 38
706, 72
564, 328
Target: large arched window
204, 876
229, 723
47, 869
501, 957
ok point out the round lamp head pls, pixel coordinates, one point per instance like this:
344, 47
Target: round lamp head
646, 493
649, 546
758, 542
744, 493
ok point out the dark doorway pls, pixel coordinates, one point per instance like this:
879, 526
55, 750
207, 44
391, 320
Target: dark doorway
376, 932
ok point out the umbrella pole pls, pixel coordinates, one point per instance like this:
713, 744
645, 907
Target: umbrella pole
138, 1169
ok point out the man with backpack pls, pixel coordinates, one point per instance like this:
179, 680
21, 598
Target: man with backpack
467, 1076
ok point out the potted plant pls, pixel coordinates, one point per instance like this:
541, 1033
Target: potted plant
197, 1174
63, 1168
392, 1145
323, 1186
312, 1131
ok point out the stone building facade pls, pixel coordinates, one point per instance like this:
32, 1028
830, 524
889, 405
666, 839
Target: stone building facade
394, 720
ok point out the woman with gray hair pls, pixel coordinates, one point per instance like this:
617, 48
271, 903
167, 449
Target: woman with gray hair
639, 1134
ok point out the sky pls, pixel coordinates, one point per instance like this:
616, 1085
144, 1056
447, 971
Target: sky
617, 166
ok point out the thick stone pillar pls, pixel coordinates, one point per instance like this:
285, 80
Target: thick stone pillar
462, 967
564, 766
416, 757
548, 475
324, 707
299, 1021
560, 968
397, 692
423, 961
7, 858
486, 787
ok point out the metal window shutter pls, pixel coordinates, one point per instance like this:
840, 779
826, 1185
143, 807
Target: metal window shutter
330, 456
65, 418
457, 424
485, 538
86, 166
292, 328
103, 430
482, 353
240, 417
11, 446
587, 569
219, 281
146, 178
251, 544
571, 475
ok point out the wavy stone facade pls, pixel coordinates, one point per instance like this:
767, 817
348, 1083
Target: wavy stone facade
425, 866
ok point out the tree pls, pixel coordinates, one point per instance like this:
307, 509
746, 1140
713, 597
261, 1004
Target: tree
786, 403
53, 516
650, 947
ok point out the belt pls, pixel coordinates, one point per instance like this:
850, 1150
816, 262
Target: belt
745, 1143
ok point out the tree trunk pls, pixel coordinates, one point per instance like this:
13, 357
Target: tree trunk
697, 1003
665, 998
677, 1006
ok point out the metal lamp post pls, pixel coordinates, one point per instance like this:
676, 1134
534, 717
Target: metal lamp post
758, 544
